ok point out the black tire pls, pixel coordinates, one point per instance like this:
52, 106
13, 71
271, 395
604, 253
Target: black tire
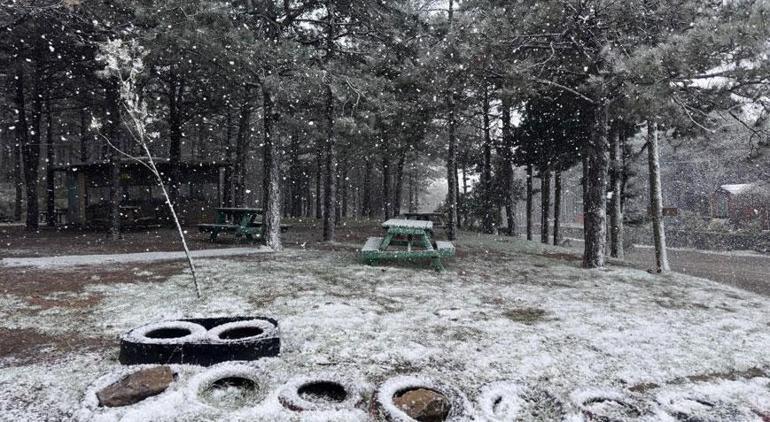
135, 349
383, 409
333, 393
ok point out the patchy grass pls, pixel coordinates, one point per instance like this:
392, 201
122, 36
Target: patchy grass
525, 315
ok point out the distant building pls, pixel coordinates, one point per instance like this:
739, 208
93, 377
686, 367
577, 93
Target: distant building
743, 204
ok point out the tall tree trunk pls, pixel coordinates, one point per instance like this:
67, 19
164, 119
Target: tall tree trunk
242, 138
656, 199
545, 205
83, 135
30, 145
318, 180
271, 218
451, 161
227, 182
295, 179
345, 190
616, 180
366, 201
18, 180
412, 193
595, 205
557, 208
488, 219
50, 194
175, 138
399, 182
330, 188
113, 133
330, 191
463, 210
24, 153
386, 195
529, 202
508, 181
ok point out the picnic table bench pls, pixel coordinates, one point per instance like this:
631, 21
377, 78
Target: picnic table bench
242, 222
413, 240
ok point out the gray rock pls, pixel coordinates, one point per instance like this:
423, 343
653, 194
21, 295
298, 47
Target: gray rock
136, 387
424, 405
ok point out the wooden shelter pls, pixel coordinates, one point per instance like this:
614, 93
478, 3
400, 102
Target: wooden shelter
142, 202
742, 204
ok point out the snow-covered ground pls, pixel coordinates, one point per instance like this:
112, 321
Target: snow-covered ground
503, 312
63, 261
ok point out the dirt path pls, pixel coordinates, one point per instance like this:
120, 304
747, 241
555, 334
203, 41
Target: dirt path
748, 272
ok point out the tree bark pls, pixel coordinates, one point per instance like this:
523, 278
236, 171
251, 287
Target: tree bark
557, 208
271, 218
399, 182
345, 190
616, 180
330, 191
595, 204
50, 194
113, 132
488, 219
83, 135
386, 195
175, 137
18, 180
227, 182
319, 181
529, 202
656, 199
366, 201
463, 210
510, 205
242, 138
545, 205
295, 178
30, 147
451, 161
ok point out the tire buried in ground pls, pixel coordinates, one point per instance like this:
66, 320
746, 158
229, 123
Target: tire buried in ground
693, 408
228, 387
510, 401
441, 395
209, 341
323, 392
607, 407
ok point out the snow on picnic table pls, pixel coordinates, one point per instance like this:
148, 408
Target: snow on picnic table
501, 312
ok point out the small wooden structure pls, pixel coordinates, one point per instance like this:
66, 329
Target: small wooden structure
742, 204
413, 240
141, 202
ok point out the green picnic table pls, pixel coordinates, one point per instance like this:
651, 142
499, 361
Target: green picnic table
242, 222
407, 240
436, 217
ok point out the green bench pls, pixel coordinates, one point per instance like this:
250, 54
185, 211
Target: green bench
413, 238
242, 222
